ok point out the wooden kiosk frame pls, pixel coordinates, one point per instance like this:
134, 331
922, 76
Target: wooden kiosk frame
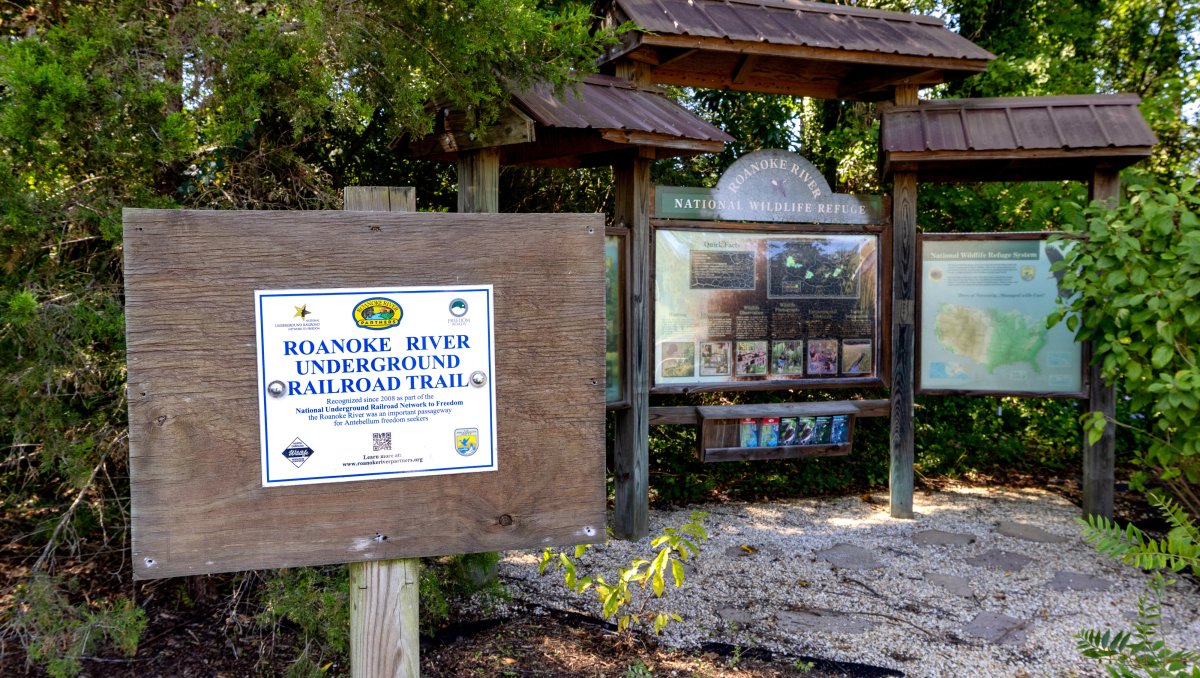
815, 50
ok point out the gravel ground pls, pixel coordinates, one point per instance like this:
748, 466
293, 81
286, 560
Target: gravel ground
787, 577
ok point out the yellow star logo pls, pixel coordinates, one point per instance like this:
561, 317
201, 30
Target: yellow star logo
302, 312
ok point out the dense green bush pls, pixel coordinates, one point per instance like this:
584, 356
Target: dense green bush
1136, 271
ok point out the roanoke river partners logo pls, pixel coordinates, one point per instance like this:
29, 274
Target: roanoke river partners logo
377, 313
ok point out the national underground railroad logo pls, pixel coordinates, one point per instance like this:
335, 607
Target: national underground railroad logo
466, 441
458, 307
377, 313
298, 452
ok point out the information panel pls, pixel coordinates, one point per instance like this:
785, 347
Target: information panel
360, 384
739, 307
984, 305
614, 319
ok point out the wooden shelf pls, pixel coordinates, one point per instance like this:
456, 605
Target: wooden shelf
817, 409
768, 453
720, 430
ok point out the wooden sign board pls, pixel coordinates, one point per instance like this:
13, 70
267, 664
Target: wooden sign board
198, 501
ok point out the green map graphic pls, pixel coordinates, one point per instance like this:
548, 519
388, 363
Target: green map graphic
990, 337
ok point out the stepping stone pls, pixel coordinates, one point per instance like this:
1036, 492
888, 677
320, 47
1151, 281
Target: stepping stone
1017, 530
733, 615
1000, 560
738, 552
959, 586
850, 557
939, 538
1075, 581
826, 621
994, 627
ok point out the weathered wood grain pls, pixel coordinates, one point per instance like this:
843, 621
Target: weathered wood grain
631, 444
719, 454
385, 593
197, 501
479, 181
904, 266
1099, 459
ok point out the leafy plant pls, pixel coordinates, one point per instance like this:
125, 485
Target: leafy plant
1135, 271
1178, 551
58, 633
1141, 652
675, 545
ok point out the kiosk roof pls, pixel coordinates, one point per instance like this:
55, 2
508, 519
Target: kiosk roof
582, 126
792, 47
1014, 138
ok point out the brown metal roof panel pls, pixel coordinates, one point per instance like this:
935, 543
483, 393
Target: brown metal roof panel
733, 23
808, 24
550, 110
602, 102
654, 113
795, 27
1125, 125
653, 16
880, 35
943, 131
988, 130
1079, 127
1035, 128
902, 132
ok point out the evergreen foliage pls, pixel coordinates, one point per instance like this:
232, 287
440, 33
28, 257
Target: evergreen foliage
214, 104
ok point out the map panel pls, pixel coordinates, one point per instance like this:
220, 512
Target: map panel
738, 307
984, 305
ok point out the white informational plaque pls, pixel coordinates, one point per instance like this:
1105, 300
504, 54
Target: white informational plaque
362, 384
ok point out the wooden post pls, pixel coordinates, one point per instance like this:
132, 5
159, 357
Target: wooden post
631, 444
904, 267
479, 181
631, 439
1099, 460
384, 594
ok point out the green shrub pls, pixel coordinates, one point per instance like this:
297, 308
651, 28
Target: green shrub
1135, 269
58, 632
1141, 652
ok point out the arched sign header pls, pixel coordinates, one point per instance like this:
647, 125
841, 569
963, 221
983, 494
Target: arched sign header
772, 186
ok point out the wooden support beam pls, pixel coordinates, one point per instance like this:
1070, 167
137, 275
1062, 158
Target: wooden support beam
384, 594
1099, 460
904, 267
744, 67
872, 81
807, 53
454, 134
479, 181
631, 444
638, 138
675, 55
